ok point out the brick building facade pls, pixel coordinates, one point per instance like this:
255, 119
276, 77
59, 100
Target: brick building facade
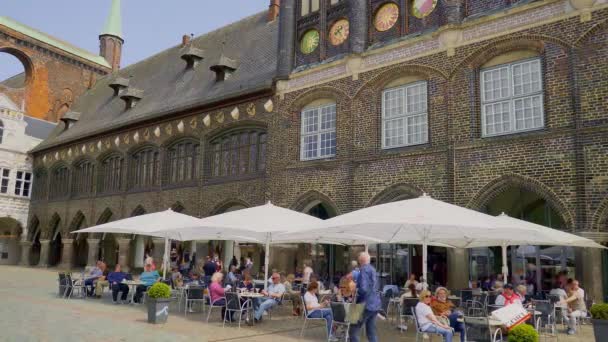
493, 105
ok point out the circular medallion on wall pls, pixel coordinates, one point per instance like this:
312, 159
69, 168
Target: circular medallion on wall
422, 8
309, 42
386, 17
338, 33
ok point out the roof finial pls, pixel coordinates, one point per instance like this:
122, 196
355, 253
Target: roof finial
113, 25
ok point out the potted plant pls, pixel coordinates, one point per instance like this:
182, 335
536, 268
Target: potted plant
599, 318
159, 297
523, 333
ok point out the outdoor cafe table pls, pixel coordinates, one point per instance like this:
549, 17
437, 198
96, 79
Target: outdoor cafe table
133, 287
252, 296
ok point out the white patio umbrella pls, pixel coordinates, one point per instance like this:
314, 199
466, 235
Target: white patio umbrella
257, 224
542, 236
148, 224
422, 220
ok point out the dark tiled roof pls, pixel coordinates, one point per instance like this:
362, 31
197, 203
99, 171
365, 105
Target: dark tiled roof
169, 87
38, 128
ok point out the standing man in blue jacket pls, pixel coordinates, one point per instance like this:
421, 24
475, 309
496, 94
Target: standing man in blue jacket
367, 293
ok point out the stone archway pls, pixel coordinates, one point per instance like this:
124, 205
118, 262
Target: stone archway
10, 232
55, 246
30, 249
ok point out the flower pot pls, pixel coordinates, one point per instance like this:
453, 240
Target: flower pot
600, 329
158, 310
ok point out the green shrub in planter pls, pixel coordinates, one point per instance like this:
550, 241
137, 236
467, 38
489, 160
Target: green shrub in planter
523, 333
599, 314
158, 301
599, 311
159, 290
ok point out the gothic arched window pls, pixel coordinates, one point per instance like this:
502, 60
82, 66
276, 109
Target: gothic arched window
40, 187
84, 178
111, 172
144, 167
60, 182
183, 164
236, 154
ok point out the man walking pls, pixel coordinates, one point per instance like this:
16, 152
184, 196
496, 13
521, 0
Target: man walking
367, 293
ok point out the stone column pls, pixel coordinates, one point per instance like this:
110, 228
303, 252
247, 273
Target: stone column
287, 32
591, 280
458, 268
67, 254
359, 25
93, 251
123, 253
26, 247
44, 253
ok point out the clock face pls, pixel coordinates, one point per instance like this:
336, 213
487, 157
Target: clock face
422, 8
310, 41
338, 33
386, 17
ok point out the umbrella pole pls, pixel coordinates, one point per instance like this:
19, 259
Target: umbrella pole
266, 263
366, 248
505, 267
424, 261
165, 258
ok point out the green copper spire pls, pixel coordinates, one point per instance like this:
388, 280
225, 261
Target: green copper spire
113, 25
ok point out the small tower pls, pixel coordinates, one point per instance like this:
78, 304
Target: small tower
110, 39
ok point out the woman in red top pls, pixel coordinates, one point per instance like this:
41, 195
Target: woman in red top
217, 292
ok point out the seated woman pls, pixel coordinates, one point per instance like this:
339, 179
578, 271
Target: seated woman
247, 283
410, 293
346, 291
442, 308
147, 279
217, 293
427, 320
316, 310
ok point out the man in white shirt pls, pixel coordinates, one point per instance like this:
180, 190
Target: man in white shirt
271, 298
576, 306
307, 273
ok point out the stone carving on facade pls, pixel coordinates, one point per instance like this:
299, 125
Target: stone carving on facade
136, 137
235, 113
180, 126
157, 132
117, 141
193, 123
207, 120
146, 134
251, 109
169, 129
269, 106
219, 117
99, 145
126, 138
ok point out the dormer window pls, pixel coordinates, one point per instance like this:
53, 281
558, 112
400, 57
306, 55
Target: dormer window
192, 56
131, 96
69, 119
223, 68
119, 84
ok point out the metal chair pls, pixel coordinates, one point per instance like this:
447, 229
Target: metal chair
340, 317
419, 332
215, 305
547, 317
478, 308
194, 294
405, 311
391, 296
479, 329
62, 284
72, 286
306, 318
233, 304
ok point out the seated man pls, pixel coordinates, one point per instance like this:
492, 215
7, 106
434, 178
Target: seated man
147, 279
91, 278
231, 277
272, 297
115, 279
507, 297
576, 305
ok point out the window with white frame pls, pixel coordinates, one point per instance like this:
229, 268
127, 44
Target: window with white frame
512, 98
318, 132
4, 179
405, 115
23, 183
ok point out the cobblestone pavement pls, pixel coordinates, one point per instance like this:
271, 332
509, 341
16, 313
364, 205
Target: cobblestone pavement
31, 311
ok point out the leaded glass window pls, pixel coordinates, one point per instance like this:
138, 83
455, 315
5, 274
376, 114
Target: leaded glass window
145, 169
60, 183
111, 176
183, 164
237, 154
512, 98
318, 132
405, 115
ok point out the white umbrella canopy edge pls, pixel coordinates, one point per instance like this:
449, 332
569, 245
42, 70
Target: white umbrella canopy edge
148, 224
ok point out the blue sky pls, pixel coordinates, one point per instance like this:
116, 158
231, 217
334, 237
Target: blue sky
149, 26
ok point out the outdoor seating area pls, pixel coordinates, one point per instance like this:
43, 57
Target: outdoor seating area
355, 300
